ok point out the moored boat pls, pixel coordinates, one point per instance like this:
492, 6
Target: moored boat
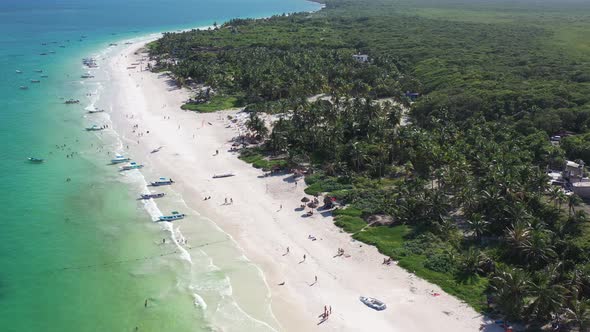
87, 75
174, 216
19, 71
150, 196
132, 165
36, 160
72, 101
120, 159
38, 71
95, 111
23, 87
373, 303
162, 182
94, 128
35, 81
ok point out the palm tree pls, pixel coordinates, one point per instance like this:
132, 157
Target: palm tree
578, 313
510, 286
518, 235
547, 297
478, 225
573, 200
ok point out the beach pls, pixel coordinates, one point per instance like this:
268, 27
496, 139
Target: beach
261, 216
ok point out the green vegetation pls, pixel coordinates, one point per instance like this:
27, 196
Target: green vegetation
463, 183
216, 103
259, 159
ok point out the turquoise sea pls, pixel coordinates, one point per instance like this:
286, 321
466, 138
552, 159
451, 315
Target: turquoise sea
78, 252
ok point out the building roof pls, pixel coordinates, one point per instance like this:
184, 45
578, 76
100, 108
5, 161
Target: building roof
569, 163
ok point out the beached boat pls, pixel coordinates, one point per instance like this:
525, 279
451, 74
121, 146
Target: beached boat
174, 216
224, 175
36, 160
35, 81
94, 128
150, 196
157, 149
373, 303
120, 159
132, 165
95, 111
87, 75
162, 182
72, 101
23, 87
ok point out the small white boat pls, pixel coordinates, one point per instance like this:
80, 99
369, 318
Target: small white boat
94, 128
120, 159
132, 165
162, 182
373, 303
174, 216
95, 111
87, 75
23, 87
18, 71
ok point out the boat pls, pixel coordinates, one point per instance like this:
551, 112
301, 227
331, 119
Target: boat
44, 76
95, 111
35, 81
19, 71
36, 160
224, 175
23, 87
174, 216
113, 44
162, 182
94, 128
38, 71
119, 159
150, 196
373, 303
87, 75
157, 149
72, 101
132, 165
43, 54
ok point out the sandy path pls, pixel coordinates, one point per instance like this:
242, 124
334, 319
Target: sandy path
264, 230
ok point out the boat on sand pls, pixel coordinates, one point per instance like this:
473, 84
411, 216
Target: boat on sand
373, 303
223, 175
162, 182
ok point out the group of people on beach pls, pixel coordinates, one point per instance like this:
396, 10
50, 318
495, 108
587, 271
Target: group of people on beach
327, 312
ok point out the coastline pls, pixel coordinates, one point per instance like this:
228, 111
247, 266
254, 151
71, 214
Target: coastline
260, 227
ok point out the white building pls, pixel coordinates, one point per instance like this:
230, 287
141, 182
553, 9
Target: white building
361, 57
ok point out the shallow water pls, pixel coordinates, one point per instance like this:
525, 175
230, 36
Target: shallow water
82, 254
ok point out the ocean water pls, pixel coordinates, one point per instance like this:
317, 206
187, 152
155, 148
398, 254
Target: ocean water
78, 252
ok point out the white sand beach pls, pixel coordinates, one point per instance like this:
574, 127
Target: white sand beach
264, 218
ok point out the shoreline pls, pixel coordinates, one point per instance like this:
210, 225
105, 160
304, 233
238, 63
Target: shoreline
262, 229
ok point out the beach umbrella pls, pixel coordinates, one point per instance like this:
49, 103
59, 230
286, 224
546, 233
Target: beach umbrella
305, 199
